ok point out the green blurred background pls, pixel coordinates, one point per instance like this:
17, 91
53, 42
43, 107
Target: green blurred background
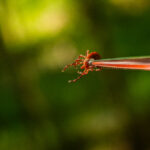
39, 110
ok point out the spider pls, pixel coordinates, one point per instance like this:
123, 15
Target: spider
85, 61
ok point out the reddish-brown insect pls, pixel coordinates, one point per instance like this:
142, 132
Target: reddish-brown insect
92, 62
85, 62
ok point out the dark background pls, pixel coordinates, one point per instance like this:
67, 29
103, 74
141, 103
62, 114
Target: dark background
39, 110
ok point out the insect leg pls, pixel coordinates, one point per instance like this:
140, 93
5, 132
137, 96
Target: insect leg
75, 64
85, 72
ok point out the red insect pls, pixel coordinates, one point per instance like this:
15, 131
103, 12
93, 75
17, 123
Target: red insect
84, 61
92, 62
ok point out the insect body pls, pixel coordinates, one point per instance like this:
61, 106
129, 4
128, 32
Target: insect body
85, 62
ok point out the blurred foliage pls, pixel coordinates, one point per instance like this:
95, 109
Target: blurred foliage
107, 110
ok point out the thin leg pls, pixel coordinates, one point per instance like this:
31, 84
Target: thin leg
81, 56
70, 81
91, 68
76, 63
87, 53
85, 72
